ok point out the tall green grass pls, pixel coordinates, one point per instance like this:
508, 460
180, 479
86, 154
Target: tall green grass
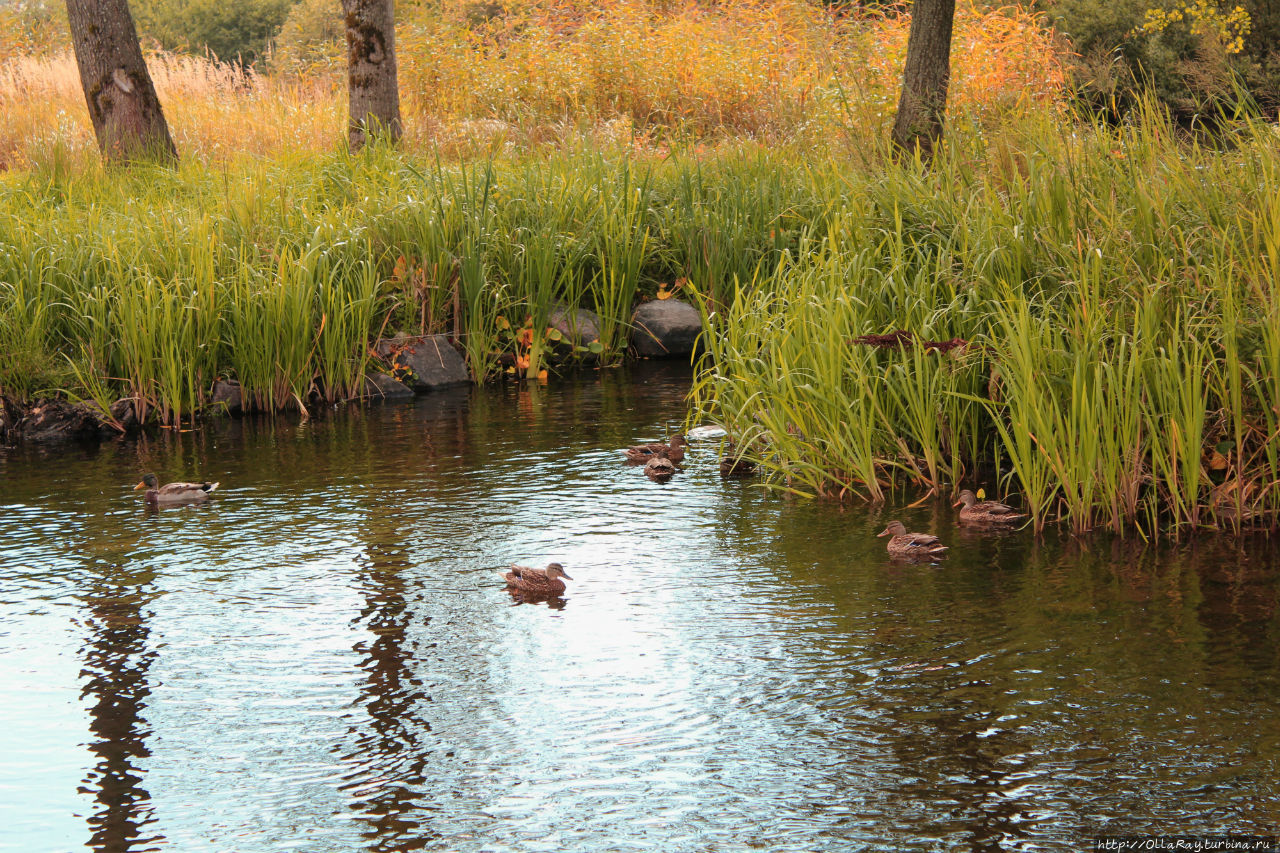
1117, 292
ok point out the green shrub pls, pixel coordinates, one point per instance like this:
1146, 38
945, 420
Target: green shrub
232, 30
1196, 58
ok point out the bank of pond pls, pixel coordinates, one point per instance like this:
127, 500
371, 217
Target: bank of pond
1079, 317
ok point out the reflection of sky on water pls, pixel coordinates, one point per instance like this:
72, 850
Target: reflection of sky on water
322, 658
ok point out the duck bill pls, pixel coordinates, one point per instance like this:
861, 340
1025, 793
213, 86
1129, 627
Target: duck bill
958, 503
142, 485
565, 576
882, 534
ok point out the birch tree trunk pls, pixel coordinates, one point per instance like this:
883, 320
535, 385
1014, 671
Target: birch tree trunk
923, 104
123, 106
371, 71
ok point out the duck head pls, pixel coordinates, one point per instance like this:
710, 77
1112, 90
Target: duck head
149, 481
895, 528
967, 498
555, 570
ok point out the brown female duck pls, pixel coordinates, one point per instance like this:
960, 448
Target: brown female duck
904, 544
644, 452
537, 581
660, 468
173, 493
986, 512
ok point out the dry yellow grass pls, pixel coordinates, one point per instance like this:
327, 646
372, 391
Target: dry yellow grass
631, 71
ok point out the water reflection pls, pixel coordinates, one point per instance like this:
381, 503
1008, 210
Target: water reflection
117, 658
335, 665
390, 756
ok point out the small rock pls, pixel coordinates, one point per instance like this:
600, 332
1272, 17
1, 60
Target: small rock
227, 396
578, 325
125, 415
431, 359
10, 415
665, 327
380, 385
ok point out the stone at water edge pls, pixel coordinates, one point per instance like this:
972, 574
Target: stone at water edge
665, 327
384, 386
125, 414
432, 359
227, 396
579, 326
58, 420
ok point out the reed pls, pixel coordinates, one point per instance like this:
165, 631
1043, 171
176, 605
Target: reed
1118, 310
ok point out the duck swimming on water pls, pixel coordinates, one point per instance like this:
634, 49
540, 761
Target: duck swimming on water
537, 581
660, 469
904, 544
173, 493
986, 512
644, 452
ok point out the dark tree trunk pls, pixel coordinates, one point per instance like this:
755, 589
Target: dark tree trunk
371, 71
123, 106
924, 81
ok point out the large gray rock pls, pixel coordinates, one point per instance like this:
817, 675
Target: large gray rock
382, 386
665, 327
431, 360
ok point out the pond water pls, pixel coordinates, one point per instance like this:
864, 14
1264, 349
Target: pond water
321, 658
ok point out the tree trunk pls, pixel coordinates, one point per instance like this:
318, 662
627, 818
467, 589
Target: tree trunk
924, 81
123, 106
371, 71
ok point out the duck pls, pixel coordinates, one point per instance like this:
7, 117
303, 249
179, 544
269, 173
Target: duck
660, 468
986, 512
644, 452
537, 581
173, 493
734, 465
904, 544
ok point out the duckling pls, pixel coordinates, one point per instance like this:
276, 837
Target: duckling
986, 512
173, 493
660, 468
644, 452
904, 544
537, 581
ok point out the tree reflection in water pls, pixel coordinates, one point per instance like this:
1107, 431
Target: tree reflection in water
116, 662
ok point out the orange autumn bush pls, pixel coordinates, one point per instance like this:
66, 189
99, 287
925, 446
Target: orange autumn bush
557, 71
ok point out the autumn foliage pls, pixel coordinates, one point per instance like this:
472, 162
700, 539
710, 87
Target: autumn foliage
640, 72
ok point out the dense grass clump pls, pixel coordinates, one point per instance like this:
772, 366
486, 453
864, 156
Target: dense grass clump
151, 284
1105, 320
